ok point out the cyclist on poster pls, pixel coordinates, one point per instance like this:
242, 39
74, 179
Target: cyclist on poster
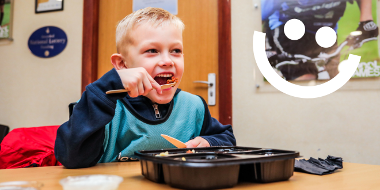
293, 58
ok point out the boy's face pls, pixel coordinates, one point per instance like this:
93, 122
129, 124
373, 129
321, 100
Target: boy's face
160, 51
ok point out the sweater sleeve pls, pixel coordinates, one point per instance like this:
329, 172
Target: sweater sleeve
79, 141
214, 132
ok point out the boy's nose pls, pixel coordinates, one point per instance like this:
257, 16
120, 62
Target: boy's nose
165, 61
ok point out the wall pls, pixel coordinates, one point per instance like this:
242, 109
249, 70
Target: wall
36, 91
343, 124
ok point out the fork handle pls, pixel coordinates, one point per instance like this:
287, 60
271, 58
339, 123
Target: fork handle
116, 91
164, 86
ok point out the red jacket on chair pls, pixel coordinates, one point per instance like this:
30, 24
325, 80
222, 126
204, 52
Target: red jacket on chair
29, 147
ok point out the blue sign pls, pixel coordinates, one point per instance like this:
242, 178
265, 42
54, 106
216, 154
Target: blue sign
47, 41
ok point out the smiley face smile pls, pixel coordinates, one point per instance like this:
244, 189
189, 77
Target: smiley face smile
296, 90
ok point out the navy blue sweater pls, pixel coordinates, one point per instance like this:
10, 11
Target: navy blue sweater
79, 141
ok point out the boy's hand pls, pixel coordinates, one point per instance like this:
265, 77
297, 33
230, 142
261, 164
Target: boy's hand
197, 142
138, 81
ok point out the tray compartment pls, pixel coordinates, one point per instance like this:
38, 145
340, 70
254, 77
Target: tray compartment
152, 171
227, 150
266, 152
186, 177
267, 171
264, 172
198, 175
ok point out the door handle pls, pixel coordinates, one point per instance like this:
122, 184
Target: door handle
204, 82
211, 88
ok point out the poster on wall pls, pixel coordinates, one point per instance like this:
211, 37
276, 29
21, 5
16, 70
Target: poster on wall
42, 6
353, 22
6, 19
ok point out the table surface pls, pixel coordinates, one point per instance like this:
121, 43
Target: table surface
352, 176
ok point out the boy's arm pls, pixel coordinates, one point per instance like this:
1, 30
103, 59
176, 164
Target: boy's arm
79, 141
214, 132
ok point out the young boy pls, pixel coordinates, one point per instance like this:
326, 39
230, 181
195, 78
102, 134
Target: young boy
107, 128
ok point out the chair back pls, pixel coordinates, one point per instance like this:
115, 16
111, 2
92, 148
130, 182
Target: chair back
4, 130
71, 108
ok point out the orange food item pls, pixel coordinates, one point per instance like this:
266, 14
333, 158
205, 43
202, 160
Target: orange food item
173, 80
190, 151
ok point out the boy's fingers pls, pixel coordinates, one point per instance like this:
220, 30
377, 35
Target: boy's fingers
189, 145
197, 142
147, 86
200, 143
154, 83
133, 92
203, 143
192, 143
140, 88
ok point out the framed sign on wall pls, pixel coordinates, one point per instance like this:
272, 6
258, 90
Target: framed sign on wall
6, 14
43, 6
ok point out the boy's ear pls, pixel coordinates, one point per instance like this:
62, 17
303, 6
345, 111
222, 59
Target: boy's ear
118, 61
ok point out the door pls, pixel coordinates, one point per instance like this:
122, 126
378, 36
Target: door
200, 39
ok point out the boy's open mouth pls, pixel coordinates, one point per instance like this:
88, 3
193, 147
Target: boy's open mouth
162, 78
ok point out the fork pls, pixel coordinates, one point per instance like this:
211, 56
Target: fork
163, 87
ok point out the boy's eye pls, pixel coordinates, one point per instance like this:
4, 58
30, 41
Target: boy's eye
151, 51
176, 51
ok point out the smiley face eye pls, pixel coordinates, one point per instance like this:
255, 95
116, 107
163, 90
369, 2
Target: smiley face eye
325, 37
294, 29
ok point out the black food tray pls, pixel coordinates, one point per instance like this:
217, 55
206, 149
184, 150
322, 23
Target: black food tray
216, 167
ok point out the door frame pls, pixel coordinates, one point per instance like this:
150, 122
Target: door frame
90, 53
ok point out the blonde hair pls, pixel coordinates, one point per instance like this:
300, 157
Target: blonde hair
155, 16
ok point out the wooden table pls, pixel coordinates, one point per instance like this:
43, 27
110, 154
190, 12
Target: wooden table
352, 176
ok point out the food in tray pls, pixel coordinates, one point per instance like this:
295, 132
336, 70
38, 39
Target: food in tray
163, 154
167, 153
183, 159
190, 151
172, 80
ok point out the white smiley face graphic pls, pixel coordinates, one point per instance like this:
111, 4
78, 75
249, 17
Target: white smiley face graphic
324, 39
